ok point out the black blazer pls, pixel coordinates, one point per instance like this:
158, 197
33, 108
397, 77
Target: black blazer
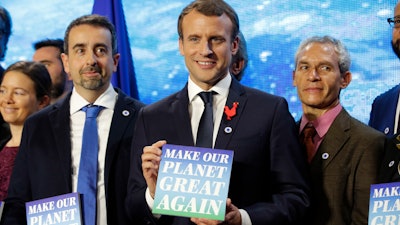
390, 167
268, 171
5, 133
43, 165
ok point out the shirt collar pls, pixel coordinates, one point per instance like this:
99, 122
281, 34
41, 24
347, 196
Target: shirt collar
322, 123
107, 100
222, 87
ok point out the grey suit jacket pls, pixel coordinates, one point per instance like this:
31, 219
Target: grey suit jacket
344, 167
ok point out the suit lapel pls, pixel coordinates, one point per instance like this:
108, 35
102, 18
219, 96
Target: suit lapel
390, 170
180, 117
389, 105
59, 118
228, 127
335, 138
124, 112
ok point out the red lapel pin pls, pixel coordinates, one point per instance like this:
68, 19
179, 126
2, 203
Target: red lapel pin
231, 112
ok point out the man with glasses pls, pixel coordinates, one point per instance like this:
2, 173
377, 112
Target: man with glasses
385, 110
385, 114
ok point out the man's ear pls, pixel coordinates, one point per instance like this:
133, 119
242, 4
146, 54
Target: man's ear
294, 78
45, 101
181, 46
235, 45
346, 79
116, 58
236, 67
64, 58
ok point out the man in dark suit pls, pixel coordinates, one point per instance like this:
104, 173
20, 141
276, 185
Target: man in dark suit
345, 154
5, 33
390, 167
49, 157
268, 182
385, 115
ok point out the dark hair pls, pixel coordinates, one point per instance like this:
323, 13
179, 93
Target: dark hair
211, 8
37, 72
5, 28
93, 20
241, 54
57, 43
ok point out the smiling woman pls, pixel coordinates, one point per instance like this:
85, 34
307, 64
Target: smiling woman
272, 29
25, 89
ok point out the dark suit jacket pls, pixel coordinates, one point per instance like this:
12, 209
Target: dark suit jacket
268, 172
383, 111
5, 133
344, 167
43, 165
390, 167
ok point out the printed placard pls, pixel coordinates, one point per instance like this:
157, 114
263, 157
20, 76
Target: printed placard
61, 209
193, 182
384, 205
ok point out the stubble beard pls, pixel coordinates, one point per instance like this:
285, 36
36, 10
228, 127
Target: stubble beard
92, 84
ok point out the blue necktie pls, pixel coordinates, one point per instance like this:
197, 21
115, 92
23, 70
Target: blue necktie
87, 178
206, 125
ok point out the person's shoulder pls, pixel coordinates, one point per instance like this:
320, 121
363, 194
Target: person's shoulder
251, 91
137, 103
42, 115
167, 101
362, 128
392, 91
256, 95
128, 99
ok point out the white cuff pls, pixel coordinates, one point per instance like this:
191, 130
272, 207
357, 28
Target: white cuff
245, 217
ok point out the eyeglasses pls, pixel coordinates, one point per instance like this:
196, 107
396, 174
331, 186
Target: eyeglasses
394, 22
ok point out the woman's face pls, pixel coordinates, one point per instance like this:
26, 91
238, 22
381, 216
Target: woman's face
17, 97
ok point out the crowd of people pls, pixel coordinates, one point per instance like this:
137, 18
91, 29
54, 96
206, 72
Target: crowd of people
317, 170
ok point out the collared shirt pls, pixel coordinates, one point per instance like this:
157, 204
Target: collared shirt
196, 105
322, 123
397, 115
196, 108
107, 100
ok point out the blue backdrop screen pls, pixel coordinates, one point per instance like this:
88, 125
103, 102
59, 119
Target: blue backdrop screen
273, 30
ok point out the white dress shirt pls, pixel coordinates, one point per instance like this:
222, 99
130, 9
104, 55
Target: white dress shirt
196, 105
396, 119
107, 100
196, 108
